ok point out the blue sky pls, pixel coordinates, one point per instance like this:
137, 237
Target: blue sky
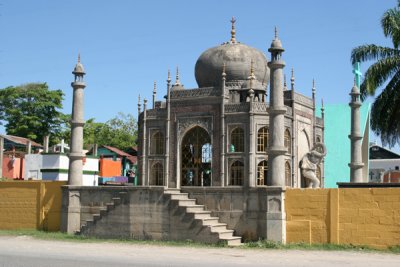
127, 45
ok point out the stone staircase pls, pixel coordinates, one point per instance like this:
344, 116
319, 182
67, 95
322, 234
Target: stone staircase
102, 211
191, 214
199, 213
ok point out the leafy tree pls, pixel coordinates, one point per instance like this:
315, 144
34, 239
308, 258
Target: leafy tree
383, 73
31, 111
119, 132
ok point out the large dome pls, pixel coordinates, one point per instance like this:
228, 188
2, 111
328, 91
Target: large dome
237, 58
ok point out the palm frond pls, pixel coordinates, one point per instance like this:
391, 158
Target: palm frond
372, 52
391, 25
385, 113
378, 73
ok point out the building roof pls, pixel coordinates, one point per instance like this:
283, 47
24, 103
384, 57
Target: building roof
378, 152
116, 151
16, 141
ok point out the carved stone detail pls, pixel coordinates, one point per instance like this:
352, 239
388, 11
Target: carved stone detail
186, 123
189, 93
237, 107
274, 204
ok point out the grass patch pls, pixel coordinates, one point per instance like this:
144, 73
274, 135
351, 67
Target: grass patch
265, 244
261, 244
80, 238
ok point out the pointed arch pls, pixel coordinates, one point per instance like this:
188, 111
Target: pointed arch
237, 173
157, 174
157, 143
288, 141
237, 140
262, 172
262, 139
196, 157
288, 174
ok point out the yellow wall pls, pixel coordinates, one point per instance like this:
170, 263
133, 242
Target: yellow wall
30, 205
344, 216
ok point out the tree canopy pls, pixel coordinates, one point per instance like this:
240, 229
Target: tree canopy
32, 111
384, 73
119, 132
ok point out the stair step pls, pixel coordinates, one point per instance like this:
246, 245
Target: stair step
210, 221
223, 233
187, 202
204, 214
172, 190
194, 208
182, 196
116, 200
218, 227
233, 241
96, 217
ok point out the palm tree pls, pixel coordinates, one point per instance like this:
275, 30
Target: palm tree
385, 74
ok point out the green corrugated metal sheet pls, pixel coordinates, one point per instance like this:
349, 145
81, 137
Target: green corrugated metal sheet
337, 130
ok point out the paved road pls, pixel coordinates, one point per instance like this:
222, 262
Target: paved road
28, 252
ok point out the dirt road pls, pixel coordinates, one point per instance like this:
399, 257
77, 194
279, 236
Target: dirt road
27, 251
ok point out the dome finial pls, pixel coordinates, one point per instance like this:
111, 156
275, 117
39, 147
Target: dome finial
177, 82
276, 32
155, 87
233, 31
79, 57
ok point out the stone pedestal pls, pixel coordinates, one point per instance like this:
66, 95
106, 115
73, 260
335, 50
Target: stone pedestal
70, 209
276, 215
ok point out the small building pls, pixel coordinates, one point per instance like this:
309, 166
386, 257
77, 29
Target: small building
115, 162
384, 165
14, 155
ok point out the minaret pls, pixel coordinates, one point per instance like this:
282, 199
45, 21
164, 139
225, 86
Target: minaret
167, 131
356, 163
223, 147
154, 94
77, 123
276, 161
313, 90
293, 136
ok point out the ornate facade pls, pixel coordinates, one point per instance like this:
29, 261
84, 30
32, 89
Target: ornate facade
220, 134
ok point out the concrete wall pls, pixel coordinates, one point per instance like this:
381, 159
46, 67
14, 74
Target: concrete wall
30, 205
33, 164
147, 213
110, 167
55, 168
244, 210
344, 216
13, 167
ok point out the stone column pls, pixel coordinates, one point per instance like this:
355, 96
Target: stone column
356, 163
46, 144
71, 205
77, 123
28, 147
276, 160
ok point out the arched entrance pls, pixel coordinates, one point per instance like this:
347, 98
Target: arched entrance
196, 156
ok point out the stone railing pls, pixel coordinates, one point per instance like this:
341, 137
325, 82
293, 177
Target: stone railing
237, 107
186, 93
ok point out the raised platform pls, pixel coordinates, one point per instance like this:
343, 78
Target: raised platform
367, 185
